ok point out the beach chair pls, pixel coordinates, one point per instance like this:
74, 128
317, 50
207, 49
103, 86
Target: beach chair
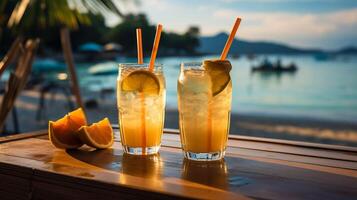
52, 87
11, 55
8, 59
18, 77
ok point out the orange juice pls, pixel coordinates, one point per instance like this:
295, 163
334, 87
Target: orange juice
141, 108
204, 99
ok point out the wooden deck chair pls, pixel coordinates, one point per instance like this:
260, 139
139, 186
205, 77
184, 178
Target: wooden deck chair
11, 55
17, 79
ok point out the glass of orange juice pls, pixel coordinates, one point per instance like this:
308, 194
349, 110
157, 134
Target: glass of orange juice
141, 103
204, 103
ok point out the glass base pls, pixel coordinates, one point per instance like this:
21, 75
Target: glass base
140, 150
212, 156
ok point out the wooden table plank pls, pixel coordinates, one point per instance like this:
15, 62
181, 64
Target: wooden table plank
105, 167
265, 144
246, 146
22, 136
15, 181
319, 156
30, 167
287, 147
245, 173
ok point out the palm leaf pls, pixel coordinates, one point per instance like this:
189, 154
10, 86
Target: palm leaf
34, 14
101, 6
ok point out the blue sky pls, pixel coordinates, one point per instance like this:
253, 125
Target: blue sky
328, 24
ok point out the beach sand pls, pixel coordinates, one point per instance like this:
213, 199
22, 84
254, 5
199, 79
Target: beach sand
278, 127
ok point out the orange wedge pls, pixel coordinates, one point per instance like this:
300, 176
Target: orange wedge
98, 135
62, 133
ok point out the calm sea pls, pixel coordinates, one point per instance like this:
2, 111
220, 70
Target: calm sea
319, 89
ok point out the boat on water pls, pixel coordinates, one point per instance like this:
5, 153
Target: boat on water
267, 66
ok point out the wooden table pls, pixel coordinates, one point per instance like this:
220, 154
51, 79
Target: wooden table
31, 168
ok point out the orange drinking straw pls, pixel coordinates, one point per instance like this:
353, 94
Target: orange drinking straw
223, 57
139, 45
155, 47
230, 39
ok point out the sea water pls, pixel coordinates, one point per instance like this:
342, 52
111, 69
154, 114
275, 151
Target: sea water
318, 89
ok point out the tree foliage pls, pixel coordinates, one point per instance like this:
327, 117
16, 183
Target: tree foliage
41, 14
90, 27
125, 33
44, 18
171, 43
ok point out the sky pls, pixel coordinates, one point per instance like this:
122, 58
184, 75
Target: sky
327, 24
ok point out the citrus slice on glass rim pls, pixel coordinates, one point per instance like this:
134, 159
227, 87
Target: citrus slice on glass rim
219, 73
141, 81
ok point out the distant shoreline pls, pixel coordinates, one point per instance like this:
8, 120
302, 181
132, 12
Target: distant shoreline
100, 57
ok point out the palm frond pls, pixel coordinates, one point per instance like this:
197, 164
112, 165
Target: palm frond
45, 13
18, 12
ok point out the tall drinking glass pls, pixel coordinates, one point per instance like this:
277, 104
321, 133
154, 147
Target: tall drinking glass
141, 103
204, 102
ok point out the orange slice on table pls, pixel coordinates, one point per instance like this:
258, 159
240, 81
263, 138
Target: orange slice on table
141, 81
98, 135
219, 73
62, 133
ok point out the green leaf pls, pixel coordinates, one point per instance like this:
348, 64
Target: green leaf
41, 14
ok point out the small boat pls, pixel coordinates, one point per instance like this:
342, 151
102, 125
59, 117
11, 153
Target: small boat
267, 66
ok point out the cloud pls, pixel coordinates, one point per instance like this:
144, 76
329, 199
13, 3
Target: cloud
159, 5
294, 28
261, 1
327, 29
277, 1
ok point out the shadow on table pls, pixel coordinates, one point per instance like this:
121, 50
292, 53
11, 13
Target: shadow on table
109, 159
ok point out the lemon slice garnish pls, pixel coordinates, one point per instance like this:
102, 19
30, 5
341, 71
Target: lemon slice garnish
141, 81
219, 73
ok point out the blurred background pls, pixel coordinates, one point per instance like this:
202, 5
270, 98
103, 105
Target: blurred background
294, 62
